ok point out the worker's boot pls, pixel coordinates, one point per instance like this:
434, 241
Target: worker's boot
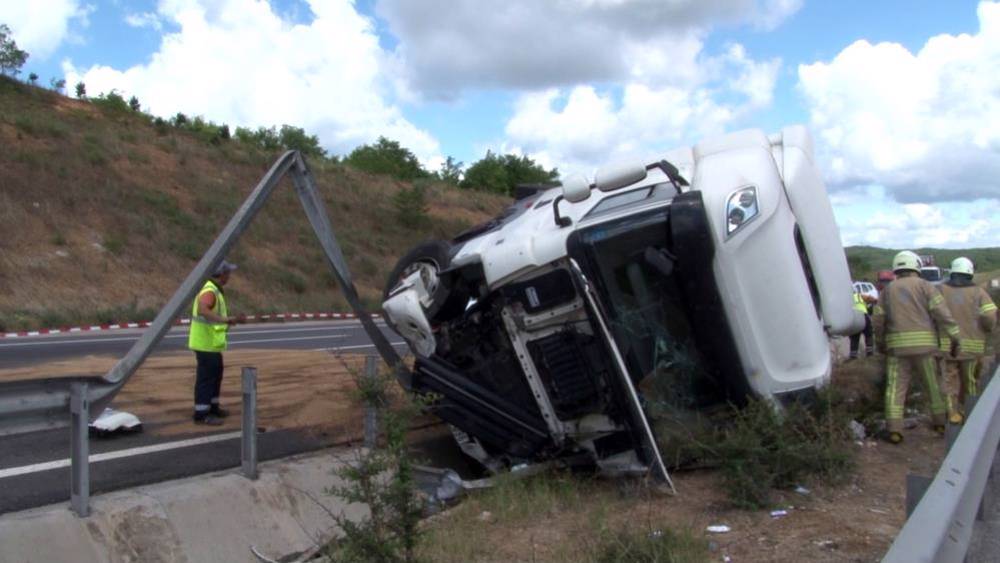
208, 419
870, 351
218, 411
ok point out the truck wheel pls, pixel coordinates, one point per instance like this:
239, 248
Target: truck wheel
430, 258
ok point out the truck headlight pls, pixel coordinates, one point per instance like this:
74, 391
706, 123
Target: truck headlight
741, 208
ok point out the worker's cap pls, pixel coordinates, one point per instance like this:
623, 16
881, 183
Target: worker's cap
223, 268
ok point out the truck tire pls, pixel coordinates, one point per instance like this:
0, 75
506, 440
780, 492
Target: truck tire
435, 256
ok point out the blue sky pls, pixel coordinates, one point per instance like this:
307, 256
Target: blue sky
902, 97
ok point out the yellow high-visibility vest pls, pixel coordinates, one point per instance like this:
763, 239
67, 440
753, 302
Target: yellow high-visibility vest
859, 303
206, 336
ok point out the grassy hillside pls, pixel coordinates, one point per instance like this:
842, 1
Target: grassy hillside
865, 261
102, 214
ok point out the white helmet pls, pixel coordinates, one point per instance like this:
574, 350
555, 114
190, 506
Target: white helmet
906, 260
962, 265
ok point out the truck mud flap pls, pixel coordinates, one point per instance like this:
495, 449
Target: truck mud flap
695, 250
501, 425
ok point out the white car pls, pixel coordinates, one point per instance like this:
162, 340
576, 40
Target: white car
866, 289
715, 274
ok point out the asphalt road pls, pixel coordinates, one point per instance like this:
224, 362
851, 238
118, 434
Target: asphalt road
34, 468
325, 335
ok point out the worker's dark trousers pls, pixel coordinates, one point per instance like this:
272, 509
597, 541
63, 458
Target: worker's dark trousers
208, 381
869, 341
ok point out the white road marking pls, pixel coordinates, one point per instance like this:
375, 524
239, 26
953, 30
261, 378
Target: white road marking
37, 467
354, 347
293, 339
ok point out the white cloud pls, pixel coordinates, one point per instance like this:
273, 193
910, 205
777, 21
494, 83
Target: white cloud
144, 19
926, 124
869, 215
583, 127
40, 26
446, 46
238, 62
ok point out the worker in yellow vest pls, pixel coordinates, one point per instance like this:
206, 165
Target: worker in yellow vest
862, 307
976, 315
210, 322
906, 333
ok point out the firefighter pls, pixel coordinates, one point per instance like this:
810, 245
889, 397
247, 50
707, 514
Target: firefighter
861, 306
976, 315
906, 334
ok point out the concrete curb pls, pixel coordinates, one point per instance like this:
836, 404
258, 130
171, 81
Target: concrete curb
214, 517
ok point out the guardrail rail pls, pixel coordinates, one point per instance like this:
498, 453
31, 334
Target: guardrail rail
941, 526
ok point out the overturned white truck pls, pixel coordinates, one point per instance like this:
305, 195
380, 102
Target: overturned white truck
536, 329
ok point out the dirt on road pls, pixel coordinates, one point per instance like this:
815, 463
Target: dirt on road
301, 389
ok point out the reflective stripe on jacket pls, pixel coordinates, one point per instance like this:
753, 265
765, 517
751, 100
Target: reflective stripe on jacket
976, 315
206, 336
908, 316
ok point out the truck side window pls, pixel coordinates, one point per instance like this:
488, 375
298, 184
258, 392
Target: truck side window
807, 270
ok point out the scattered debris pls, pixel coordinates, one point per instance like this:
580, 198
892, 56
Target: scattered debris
802, 490
717, 529
858, 430
778, 513
656, 534
827, 544
112, 422
485, 516
878, 511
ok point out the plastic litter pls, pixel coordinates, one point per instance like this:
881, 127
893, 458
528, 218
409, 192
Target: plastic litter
111, 422
802, 490
858, 430
718, 529
778, 513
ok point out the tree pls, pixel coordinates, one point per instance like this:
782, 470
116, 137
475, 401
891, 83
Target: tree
11, 58
133, 103
387, 157
296, 138
501, 174
81, 90
33, 78
450, 171
57, 85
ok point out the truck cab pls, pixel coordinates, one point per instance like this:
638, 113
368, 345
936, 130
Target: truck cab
713, 275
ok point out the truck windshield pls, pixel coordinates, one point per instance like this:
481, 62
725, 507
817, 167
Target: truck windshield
931, 274
628, 263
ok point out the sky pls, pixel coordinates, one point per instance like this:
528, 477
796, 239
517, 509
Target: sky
901, 96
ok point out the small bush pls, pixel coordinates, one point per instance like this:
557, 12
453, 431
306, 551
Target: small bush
411, 206
111, 102
644, 546
41, 126
114, 243
761, 449
382, 479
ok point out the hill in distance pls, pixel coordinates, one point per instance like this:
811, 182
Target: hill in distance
103, 212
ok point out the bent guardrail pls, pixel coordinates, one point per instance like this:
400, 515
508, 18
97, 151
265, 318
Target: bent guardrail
941, 527
45, 403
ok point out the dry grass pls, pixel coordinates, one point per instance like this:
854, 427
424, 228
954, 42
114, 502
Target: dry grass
109, 215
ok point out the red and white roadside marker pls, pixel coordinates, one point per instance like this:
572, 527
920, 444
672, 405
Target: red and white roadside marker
284, 317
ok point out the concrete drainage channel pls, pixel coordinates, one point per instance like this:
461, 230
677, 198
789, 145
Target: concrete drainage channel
214, 517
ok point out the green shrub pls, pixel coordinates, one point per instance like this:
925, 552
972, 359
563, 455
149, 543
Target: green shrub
760, 449
381, 479
411, 206
41, 126
111, 102
387, 157
114, 243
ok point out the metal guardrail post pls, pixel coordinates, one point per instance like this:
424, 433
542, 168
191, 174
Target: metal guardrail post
79, 406
249, 447
371, 411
